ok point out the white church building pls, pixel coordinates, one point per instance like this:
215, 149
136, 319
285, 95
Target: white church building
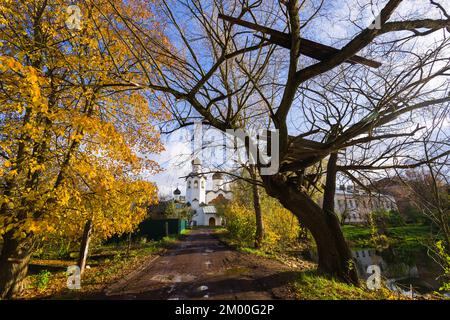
202, 200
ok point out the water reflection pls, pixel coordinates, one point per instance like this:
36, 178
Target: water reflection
401, 271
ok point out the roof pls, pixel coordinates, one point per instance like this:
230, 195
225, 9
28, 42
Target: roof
196, 161
217, 175
192, 174
209, 210
357, 192
219, 190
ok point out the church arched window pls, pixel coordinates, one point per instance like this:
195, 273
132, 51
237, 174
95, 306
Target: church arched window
195, 184
189, 184
203, 184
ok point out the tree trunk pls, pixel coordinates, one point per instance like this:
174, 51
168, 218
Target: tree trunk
14, 259
334, 254
129, 244
259, 236
84, 247
258, 214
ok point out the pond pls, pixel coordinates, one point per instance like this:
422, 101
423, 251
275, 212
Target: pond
407, 274
401, 270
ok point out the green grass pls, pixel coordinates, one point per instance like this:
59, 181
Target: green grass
358, 236
308, 285
411, 236
257, 252
108, 263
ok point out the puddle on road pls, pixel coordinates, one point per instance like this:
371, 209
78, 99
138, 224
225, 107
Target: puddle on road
237, 271
202, 288
173, 278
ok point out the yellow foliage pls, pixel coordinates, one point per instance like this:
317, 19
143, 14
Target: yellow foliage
74, 129
281, 227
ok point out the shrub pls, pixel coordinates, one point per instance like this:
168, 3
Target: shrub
281, 227
42, 279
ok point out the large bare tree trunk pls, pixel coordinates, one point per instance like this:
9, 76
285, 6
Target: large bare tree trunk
14, 259
259, 236
84, 247
334, 254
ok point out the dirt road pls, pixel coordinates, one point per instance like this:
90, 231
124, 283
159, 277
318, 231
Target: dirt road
201, 267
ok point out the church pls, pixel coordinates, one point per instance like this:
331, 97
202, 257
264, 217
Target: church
203, 201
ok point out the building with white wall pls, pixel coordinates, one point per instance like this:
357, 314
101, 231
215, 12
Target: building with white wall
354, 205
202, 200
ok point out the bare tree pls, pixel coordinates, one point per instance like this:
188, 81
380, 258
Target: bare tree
429, 186
237, 63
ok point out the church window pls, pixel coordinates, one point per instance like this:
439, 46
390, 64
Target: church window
189, 184
195, 184
203, 184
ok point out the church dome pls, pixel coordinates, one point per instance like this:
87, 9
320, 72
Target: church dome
217, 176
177, 192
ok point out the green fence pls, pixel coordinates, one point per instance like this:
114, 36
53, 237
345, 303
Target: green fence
154, 230
158, 229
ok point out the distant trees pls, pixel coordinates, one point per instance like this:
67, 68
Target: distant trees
170, 209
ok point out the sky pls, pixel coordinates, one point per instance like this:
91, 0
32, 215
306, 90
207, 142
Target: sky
331, 29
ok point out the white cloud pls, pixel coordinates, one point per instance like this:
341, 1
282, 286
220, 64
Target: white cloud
175, 162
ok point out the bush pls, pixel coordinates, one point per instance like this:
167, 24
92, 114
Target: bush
241, 224
387, 218
444, 258
281, 227
42, 279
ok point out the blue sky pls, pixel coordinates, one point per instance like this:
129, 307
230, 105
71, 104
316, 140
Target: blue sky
341, 23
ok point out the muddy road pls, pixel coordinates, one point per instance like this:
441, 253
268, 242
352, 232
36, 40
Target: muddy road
201, 267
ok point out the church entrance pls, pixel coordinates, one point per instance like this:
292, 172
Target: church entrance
212, 222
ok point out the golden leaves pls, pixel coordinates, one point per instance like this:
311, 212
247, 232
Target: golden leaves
73, 142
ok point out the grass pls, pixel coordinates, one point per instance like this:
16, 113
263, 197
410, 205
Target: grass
309, 285
411, 236
109, 263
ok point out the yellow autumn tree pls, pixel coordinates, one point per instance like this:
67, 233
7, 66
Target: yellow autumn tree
74, 126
